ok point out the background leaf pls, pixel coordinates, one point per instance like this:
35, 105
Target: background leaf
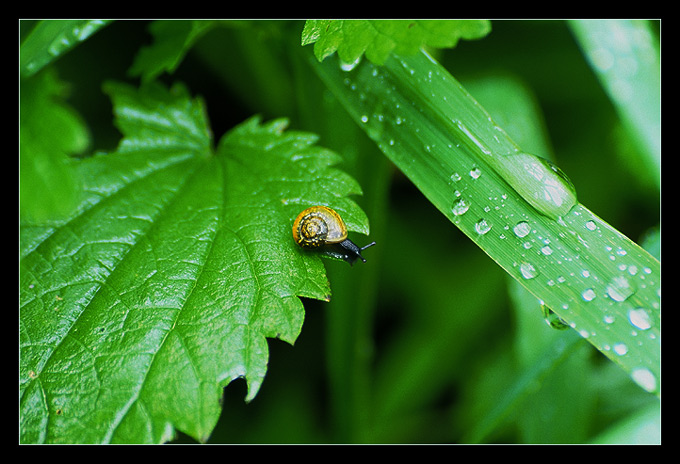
172, 40
50, 132
625, 58
137, 310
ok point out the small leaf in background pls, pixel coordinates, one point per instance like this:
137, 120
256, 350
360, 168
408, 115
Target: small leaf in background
162, 287
172, 40
49, 133
379, 38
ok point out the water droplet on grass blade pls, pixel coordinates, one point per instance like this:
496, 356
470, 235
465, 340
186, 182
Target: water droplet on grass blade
639, 318
350, 66
482, 227
552, 319
619, 289
460, 206
644, 378
588, 294
522, 229
542, 184
620, 349
528, 270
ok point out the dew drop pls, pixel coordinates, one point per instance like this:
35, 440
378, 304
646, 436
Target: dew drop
644, 378
59, 45
588, 294
482, 227
620, 349
619, 289
522, 229
546, 250
552, 319
349, 66
590, 225
528, 270
475, 173
460, 206
639, 318
542, 184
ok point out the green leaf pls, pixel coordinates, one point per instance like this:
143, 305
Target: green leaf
172, 40
642, 428
176, 266
605, 286
51, 39
49, 133
618, 51
379, 38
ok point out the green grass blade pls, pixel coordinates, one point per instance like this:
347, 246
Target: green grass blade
555, 354
50, 39
642, 428
625, 57
605, 286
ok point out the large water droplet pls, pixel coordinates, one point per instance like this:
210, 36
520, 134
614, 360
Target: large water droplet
522, 229
619, 289
460, 206
620, 349
552, 319
542, 184
528, 270
350, 66
639, 318
482, 227
644, 378
588, 294
546, 250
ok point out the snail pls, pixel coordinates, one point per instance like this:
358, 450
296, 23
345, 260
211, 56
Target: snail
323, 228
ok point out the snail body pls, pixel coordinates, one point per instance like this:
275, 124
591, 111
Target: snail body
320, 227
